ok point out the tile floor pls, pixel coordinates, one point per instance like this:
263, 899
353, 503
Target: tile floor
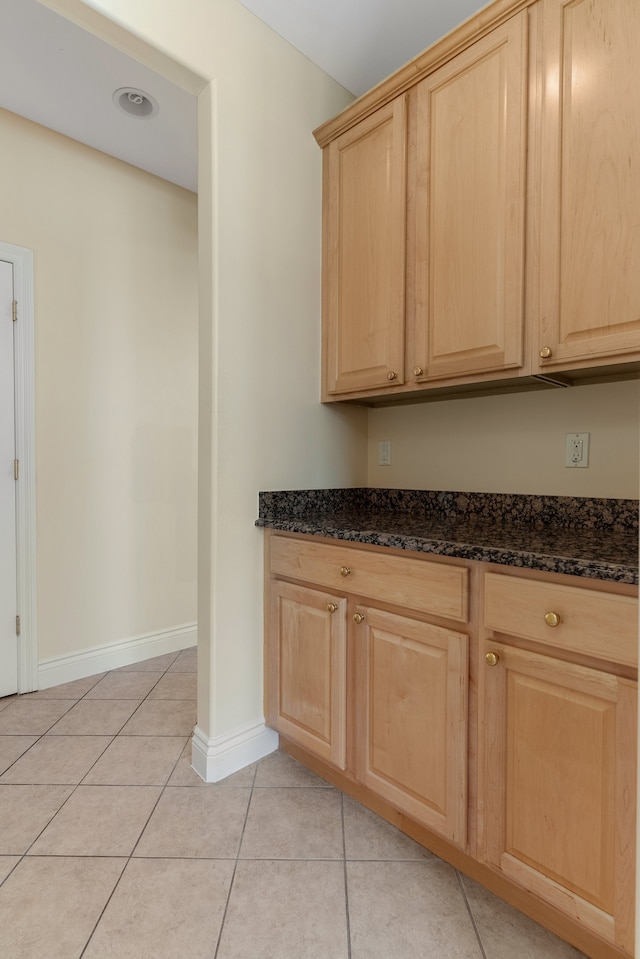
112, 848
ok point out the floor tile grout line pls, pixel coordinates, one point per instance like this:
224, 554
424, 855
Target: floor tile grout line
12, 870
346, 879
155, 806
241, 859
104, 908
48, 786
235, 865
20, 757
471, 915
129, 857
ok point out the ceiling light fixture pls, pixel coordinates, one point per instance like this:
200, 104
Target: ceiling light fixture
136, 103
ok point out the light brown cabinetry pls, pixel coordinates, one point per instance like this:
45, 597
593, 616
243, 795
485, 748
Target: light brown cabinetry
402, 685
470, 170
308, 664
412, 714
490, 713
511, 195
558, 747
364, 251
590, 182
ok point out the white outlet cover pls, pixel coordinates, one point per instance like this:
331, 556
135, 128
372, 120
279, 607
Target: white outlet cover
384, 453
577, 451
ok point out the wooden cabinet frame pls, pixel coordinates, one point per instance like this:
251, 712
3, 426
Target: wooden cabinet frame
469, 196
557, 790
324, 678
308, 669
411, 694
558, 283
598, 921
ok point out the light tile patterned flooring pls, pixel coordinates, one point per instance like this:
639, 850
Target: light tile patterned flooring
112, 848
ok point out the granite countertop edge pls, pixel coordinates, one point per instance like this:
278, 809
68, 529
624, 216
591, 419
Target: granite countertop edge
524, 559
606, 555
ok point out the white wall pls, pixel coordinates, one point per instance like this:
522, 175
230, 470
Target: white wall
513, 444
261, 425
115, 257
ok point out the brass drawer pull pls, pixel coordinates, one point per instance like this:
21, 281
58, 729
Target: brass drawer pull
358, 618
545, 352
418, 371
345, 571
552, 619
391, 375
491, 659
332, 607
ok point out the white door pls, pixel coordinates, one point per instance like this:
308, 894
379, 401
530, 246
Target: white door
8, 566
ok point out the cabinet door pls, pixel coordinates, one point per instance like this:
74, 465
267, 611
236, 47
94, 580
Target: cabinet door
470, 208
364, 268
306, 698
412, 687
557, 785
589, 250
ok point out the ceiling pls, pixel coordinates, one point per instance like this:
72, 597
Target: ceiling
58, 75
360, 42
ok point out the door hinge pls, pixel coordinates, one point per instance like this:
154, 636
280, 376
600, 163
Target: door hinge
16, 469
14, 310
17, 625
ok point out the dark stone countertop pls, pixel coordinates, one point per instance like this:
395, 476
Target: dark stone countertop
592, 538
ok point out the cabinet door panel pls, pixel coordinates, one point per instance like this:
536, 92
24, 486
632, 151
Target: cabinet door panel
470, 208
412, 685
310, 669
590, 256
557, 791
365, 226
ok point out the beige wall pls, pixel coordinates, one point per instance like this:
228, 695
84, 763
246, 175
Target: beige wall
512, 444
115, 261
261, 425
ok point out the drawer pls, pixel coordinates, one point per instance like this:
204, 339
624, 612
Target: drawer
418, 584
590, 622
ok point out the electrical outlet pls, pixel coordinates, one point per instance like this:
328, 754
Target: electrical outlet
384, 453
577, 451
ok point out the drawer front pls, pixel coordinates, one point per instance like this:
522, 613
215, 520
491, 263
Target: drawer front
416, 584
590, 622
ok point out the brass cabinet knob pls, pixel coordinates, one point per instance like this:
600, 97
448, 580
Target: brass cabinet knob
545, 352
391, 375
418, 371
552, 619
345, 571
358, 618
332, 607
491, 659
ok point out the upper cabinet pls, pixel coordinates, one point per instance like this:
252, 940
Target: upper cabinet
469, 216
590, 182
481, 207
364, 265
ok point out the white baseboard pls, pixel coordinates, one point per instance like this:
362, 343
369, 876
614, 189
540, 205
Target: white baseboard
215, 759
99, 659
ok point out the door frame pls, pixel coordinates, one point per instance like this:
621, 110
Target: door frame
24, 411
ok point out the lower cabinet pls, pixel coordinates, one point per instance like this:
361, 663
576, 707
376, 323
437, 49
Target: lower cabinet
411, 722
557, 794
557, 769
307, 664
496, 710
404, 726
